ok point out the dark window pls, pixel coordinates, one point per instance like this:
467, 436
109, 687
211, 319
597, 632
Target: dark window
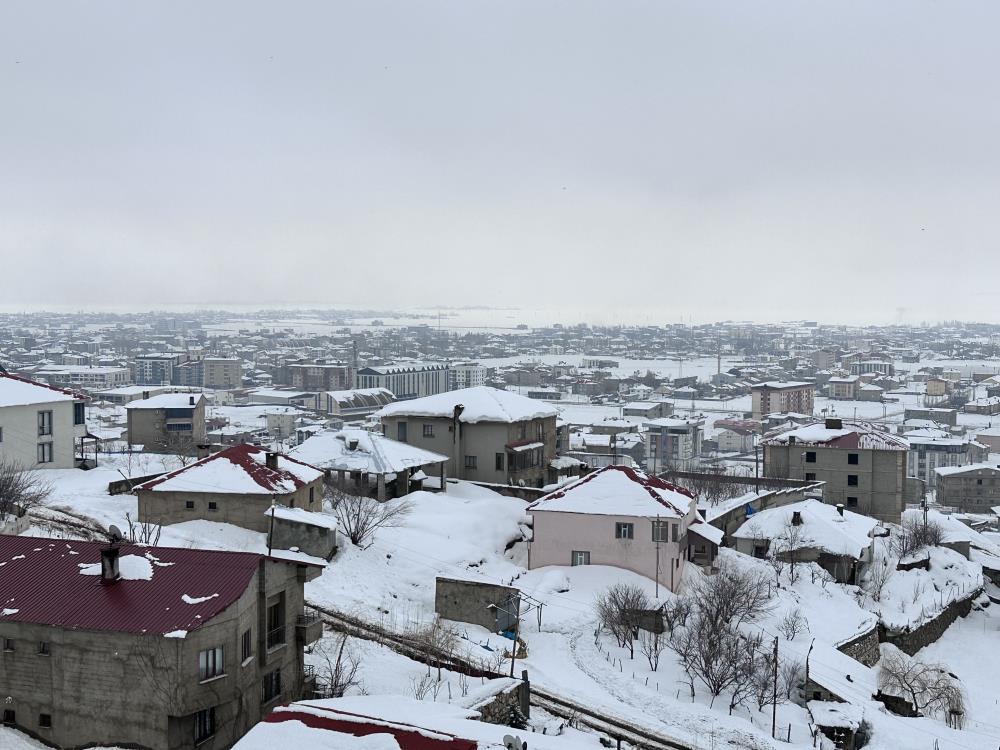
852, 458
979, 481
204, 725
673, 531
211, 663
189, 504
43, 648
660, 531
45, 721
271, 687
470, 462
45, 453
580, 557
624, 531
179, 413
1, 434
499, 461
247, 647
212, 505
810, 476
276, 623
44, 423
810, 457
179, 427
9, 717
522, 431
428, 430
312, 495
852, 480
852, 502
401, 432
78, 413
8, 644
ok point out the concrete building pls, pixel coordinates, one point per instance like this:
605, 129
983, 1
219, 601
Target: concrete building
772, 397
974, 488
673, 443
157, 369
91, 378
148, 647
489, 435
648, 409
127, 393
222, 372
947, 417
236, 485
736, 435
467, 375
321, 376
989, 406
843, 388
931, 449
863, 466
990, 437
168, 422
354, 404
407, 381
40, 425
872, 366
624, 518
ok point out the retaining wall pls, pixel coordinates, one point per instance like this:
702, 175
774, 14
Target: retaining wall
913, 640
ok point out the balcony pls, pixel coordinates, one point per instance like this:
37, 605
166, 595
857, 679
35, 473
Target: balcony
275, 638
308, 628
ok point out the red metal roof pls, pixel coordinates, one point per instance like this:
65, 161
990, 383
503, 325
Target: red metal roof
41, 582
242, 456
647, 482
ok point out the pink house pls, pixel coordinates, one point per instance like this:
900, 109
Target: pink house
622, 517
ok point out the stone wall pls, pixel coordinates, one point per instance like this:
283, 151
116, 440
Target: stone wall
497, 708
863, 648
926, 634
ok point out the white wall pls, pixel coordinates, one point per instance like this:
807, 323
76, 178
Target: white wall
20, 434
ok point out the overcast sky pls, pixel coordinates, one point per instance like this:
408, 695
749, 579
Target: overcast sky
705, 160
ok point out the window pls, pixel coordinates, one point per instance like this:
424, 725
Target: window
810, 476
246, 650
179, 427
580, 558
276, 623
271, 687
852, 502
44, 423
660, 531
45, 721
499, 461
810, 457
401, 432
211, 663
624, 531
43, 648
45, 453
204, 725
673, 531
1, 434
212, 505
189, 504
470, 462
540, 432
428, 430
852, 458
8, 644
979, 481
312, 495
522, 431
852, 480
78, 413
9, 717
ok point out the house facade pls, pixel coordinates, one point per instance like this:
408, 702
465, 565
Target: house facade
972, 489
407, 381
932, 449
487, 434
168, 422
775, 397
148, 647
40, 425
623, 518
673, 443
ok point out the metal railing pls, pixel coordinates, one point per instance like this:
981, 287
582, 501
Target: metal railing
276, 637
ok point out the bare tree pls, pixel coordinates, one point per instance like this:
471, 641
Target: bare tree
652, 644
731, 597
142, 532
930, 688
793, 624
789, 544
338, 666
675, 613
619, 609
877, 576
20, 489
791, 677
437, 640
360, 517
915, 535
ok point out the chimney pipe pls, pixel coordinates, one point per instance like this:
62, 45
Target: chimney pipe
271, 460
191, 400
840, 508
109, 564
796, 518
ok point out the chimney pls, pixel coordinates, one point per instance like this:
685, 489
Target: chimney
834, 423
271, 460
109, 564
145, 395
796, 518
352, 444
840, 508
191, 400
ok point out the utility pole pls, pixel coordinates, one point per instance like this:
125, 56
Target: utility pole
657, 533
774, 696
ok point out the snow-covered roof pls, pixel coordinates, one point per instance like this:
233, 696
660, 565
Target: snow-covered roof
822, 527
480, 404
777, 385
858, 435
618, 491
707, 531
361, 397
17, 391
301, 515
240, 470
835, 714
373, 453
167, 401
946, 471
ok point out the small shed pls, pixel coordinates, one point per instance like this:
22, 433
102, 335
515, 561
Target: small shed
490, 605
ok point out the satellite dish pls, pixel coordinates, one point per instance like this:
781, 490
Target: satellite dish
116, 535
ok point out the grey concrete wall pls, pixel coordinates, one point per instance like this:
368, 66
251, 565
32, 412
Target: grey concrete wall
470, 601
317, 541
147, 427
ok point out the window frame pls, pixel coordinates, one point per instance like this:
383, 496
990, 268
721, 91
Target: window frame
45, 721
270, 686
853, 480
45, 423
471, 462
204, 725
624, 530
500, 461
810, 457
212, 663
584, 557
428, 430
46, 453
246, 646
664, 528
853, 459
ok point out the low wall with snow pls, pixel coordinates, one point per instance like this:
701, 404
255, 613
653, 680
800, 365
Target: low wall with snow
496, 701
927, 633
528, 494
863, 648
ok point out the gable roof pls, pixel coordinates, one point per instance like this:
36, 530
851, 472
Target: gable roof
18, 391
618, 491
480, 404
374, 453
858, 435
822, 527
162, 590
241, 470
167, 401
